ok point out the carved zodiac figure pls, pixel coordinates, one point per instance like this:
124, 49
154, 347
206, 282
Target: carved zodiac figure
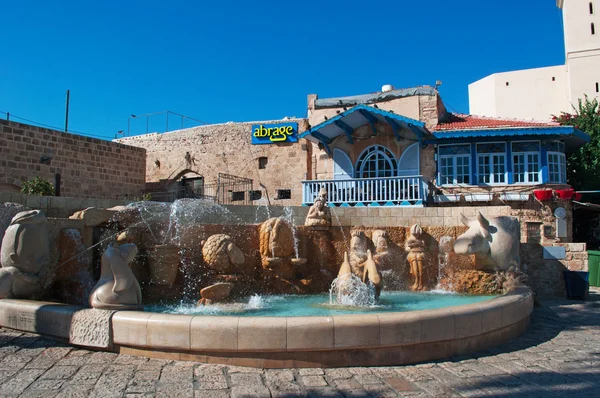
416, 255
117, 289
24, 255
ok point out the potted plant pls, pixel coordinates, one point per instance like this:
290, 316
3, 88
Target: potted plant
543, 194
565, 194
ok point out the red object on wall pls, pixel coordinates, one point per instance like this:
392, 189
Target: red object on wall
565, 194
543, 194
578, 196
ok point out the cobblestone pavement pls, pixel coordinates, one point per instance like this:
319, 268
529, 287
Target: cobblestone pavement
558, 356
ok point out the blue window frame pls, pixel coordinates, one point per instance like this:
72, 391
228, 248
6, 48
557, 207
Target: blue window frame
376, 161
526, 162
454, 164
557, 162
491, 163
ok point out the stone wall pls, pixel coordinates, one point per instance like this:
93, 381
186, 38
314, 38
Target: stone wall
227, 148
58, 206
88, 167
545, 274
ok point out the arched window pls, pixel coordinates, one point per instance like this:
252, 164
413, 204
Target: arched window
408, 165
591, 8
342, 165
593, 28
376, 161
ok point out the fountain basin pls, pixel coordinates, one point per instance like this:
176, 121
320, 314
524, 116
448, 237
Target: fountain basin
390, 338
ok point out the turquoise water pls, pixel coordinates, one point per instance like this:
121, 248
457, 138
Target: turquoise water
311, 305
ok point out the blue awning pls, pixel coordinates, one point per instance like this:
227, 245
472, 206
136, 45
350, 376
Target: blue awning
348, 121
573, 137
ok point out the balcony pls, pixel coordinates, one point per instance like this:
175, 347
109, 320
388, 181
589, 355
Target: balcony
387, 191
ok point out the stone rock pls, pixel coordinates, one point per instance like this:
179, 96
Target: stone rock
93, 216
217, 292
24, 255
117, 288
163, 264
221, 254
73, 279
276, 238
91, 328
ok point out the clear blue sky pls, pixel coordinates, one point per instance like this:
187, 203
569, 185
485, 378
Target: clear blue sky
225, 60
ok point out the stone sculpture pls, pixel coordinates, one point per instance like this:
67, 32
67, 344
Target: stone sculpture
415, 245
276, 238
24, 255
277, 247
371, 274
358, 252
494, 242
117, 289
221, 254
318, 214
215, 293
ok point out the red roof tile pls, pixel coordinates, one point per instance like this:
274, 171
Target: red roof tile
456, 121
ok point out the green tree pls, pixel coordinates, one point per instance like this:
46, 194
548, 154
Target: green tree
37, 186
583, 165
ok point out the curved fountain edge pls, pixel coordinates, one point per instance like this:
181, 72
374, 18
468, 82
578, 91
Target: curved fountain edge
393, 338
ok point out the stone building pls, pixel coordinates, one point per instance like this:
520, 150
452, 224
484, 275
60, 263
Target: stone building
395, 148
539, 93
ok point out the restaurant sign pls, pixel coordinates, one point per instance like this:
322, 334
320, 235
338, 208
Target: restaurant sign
274, 133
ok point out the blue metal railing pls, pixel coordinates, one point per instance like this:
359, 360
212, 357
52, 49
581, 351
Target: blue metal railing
406, 190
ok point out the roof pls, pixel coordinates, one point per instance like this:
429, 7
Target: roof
353, 118
353, 100
457, 121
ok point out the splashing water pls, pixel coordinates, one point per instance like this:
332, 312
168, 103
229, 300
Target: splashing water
349, 290
288, 215
256, 302
341, 228
445, 247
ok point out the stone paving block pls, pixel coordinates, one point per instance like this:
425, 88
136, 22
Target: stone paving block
211, 394
313, 381
177, 390
245, 379
74, 391
254, 391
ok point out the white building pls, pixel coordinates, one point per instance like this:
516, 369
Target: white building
539, 93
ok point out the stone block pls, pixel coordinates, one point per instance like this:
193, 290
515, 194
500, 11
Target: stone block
178, 327
262, 334
310, 333
491, 316
91, 328
467, 321
436, 325
218, 333
399, 328
577, 247
356, 331
130, 328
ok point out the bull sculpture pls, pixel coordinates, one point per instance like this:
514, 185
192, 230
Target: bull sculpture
494, 242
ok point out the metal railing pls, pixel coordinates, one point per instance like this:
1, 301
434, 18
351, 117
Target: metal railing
408, 190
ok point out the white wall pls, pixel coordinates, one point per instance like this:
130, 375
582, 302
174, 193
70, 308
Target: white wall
582, 48
576, 25
530, 94
482, 97
584, 74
